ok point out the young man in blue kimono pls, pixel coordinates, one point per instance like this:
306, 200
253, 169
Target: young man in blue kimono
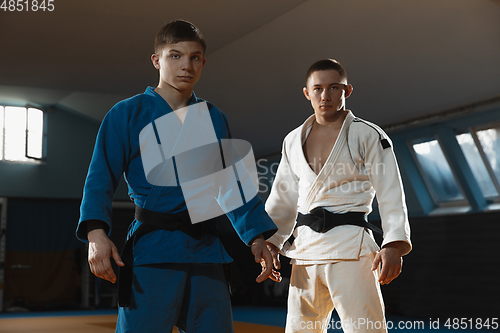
172, 270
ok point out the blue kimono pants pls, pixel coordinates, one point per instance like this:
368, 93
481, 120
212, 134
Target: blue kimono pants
192, 297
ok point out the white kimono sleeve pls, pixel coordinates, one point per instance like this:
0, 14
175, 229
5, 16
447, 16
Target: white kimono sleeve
281, 205
383, 171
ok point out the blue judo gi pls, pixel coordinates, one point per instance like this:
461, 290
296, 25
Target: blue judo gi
178, 280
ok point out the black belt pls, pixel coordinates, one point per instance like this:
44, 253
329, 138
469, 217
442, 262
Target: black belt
321, 220
151, 221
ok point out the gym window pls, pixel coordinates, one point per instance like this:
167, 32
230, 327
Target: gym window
482, 151
21, 134
436, 171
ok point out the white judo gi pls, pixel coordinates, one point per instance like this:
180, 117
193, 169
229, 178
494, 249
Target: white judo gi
332, 269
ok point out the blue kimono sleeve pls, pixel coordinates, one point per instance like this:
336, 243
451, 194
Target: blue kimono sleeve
251, 219
109, 161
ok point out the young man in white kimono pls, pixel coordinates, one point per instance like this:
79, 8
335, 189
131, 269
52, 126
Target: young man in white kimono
331, 168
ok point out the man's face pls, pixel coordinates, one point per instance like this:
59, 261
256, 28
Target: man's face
180, 65
327, 92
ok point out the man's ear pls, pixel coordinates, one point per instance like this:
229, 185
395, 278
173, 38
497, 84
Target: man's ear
348, 90
155, 60
204, 61
306, 93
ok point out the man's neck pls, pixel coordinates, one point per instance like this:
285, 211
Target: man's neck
333, 122
175, 98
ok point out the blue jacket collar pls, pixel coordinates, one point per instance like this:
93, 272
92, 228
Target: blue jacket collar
151, 92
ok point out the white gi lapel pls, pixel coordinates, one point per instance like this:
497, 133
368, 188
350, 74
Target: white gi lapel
327, 168
304, 133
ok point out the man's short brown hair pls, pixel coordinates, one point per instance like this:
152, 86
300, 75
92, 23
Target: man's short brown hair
324, 65
178, 31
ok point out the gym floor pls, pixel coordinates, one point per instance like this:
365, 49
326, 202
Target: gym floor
246, 320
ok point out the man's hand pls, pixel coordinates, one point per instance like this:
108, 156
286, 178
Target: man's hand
100, 249
264, 257
390, 258
275, 253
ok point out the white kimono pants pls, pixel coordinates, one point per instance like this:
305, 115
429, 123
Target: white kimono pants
350, 286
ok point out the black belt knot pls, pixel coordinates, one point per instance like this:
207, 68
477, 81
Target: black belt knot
321, 220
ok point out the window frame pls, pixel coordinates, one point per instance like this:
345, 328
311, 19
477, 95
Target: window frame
473, 132
26, 145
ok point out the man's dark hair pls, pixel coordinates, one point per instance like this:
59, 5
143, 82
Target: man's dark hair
178, 31
324, 65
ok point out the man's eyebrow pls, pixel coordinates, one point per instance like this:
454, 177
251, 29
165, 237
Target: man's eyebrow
174, 50
331, 84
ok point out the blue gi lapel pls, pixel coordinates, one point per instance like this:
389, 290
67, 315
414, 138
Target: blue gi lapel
173, 139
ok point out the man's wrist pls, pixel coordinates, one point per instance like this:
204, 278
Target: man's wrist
95, 224
257, 238
397, 245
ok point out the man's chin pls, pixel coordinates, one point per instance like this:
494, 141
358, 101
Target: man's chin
331, 115
184, 86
